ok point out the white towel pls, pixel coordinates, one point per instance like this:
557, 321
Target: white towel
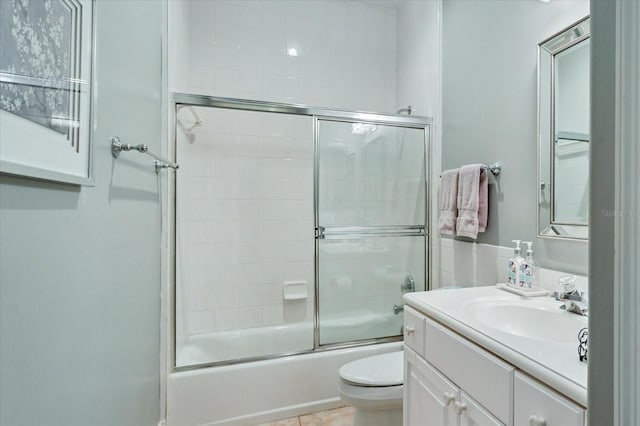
448, 202
469, 200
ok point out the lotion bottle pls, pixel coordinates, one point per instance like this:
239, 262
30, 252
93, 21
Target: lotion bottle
513, 265
528, 276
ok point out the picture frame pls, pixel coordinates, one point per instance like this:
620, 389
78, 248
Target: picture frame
46, 70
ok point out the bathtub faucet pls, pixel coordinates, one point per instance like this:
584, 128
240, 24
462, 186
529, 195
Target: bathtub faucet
397, 309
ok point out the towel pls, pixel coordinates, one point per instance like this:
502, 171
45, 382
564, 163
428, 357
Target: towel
483, 199
448, 202
472, 197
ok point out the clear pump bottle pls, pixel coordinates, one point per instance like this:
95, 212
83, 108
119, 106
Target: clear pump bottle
528, 276
513, 265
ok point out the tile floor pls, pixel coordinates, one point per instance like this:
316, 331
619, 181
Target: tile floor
342, 416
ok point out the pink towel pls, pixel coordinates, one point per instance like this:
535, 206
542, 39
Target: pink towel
472, 201
448, 202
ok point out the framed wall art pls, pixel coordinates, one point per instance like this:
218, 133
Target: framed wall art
46, 64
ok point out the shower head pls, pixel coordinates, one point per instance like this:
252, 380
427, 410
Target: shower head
407, 110
191, 122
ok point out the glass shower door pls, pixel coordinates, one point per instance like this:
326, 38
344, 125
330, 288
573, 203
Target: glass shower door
244, 235
370, 227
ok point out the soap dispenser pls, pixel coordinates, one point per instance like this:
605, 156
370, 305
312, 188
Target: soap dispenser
528, 276
513, 265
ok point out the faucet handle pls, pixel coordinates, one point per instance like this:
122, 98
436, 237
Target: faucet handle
568, 283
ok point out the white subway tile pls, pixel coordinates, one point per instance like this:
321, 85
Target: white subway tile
251, 15
296, 11
200, 322
222, 297
201, 55
226, 319
250, 317
272, 314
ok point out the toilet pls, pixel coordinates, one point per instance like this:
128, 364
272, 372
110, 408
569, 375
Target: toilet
373, 386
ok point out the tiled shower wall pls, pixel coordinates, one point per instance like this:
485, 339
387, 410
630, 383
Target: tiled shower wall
333, 53
339, 54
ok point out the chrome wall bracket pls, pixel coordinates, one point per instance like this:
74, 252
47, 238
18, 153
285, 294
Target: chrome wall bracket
495, 168
160, 162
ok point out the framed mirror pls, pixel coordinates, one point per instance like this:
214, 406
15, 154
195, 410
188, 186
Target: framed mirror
564, 133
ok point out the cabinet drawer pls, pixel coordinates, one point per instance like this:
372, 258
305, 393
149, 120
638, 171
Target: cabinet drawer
414, 329
486, 378
536, 404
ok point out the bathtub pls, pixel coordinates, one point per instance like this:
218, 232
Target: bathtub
260, 391
288, 338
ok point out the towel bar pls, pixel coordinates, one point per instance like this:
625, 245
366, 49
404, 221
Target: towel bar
495, 169
161, 163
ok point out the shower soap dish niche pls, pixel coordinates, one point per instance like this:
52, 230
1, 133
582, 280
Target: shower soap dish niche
294, 290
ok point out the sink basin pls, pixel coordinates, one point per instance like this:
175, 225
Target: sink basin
531, 319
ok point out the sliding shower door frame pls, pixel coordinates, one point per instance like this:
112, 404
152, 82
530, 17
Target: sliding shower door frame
318, 114
359, 232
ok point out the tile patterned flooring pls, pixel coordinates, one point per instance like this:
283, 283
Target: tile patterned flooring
342, 416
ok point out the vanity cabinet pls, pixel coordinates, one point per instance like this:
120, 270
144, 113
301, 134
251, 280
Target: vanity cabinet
431, 398
451, 381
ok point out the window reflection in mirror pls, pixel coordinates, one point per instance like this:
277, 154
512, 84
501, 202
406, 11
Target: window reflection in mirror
564, 134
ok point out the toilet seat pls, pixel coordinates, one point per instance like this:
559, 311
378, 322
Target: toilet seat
374, 371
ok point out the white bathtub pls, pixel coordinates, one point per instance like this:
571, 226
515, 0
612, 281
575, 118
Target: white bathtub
287, 338
245, 343
261, 391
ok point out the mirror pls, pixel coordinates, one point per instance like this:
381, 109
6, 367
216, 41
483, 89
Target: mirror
563, 133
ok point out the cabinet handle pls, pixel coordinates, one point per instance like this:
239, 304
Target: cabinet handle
449, 398
460, 407
537, 421
410, 330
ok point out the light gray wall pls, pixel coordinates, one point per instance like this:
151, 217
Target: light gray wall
80, 267
601, 260
489, 110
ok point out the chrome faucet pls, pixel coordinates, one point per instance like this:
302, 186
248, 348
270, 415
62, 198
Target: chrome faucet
409, 284
574, 301
397, 309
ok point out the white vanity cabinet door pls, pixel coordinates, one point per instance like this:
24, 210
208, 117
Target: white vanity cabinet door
429, 398
537, 405
473, 414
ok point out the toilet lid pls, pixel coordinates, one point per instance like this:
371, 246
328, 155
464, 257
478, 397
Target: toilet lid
377, 370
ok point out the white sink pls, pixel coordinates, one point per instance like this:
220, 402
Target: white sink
535, 319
